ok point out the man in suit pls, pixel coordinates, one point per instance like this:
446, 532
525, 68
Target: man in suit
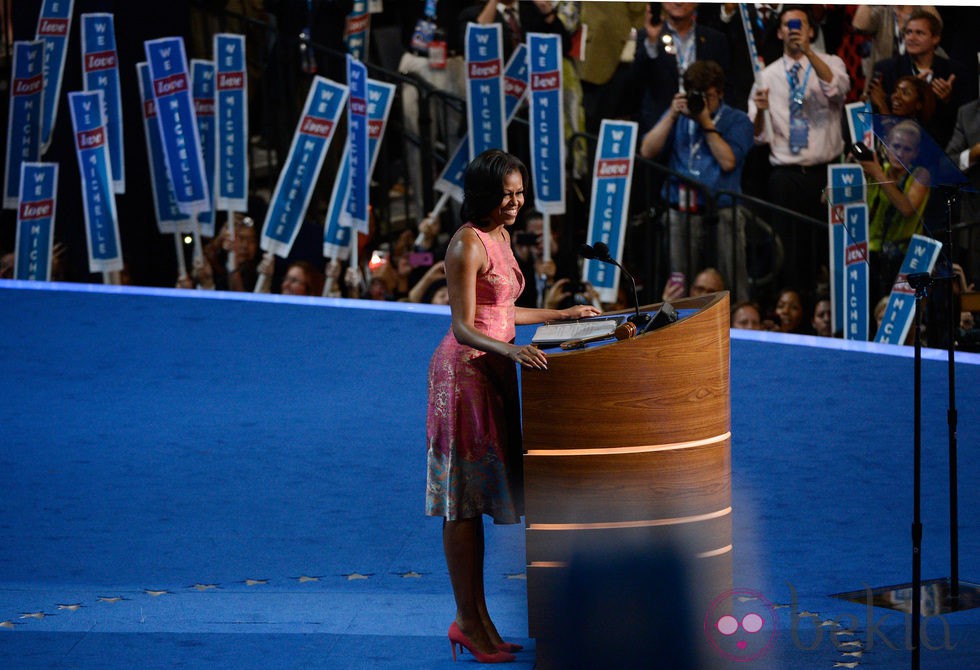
764, 20
964, 150
948, 78
671, 41
606, 83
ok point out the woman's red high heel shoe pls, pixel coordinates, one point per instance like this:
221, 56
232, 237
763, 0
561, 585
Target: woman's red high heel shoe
510, 647
456, 636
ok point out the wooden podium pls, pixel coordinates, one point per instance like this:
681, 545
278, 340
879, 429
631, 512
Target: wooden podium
628, 445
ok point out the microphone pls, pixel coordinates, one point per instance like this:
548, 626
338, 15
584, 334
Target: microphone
600, 252
624, 331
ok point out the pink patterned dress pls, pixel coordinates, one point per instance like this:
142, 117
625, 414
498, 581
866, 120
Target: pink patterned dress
473, 420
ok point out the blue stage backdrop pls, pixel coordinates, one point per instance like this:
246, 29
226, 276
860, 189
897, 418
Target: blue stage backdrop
216, 480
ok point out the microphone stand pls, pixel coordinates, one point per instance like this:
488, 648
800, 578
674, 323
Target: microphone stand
600, 252
920, 281
951, 417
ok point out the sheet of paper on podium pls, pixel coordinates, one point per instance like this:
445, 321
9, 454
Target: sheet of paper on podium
554, 334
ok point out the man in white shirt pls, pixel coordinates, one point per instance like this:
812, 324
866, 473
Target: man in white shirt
803, 93
964, 150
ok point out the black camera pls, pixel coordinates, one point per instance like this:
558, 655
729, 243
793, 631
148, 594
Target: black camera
861, 152
695, 102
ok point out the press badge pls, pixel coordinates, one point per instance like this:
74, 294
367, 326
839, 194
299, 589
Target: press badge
425, 29
799, 131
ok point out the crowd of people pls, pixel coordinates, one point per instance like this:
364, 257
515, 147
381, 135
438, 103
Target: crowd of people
683, 72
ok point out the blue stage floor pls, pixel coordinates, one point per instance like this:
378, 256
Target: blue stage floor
223, 481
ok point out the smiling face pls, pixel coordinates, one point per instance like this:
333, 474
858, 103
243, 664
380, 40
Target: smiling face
919, 38
511, 201
295, 282
905, 99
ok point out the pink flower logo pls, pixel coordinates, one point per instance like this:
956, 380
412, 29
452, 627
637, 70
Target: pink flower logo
741, 625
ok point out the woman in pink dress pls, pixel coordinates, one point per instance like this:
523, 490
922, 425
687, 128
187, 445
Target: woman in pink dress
473, 419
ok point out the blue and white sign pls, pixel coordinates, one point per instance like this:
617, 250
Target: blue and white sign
175, 118
314, 132
100, 71
24, 122
53, 27
231, 115
355, 213
845, 186
337, 238
515, 88
611, 179
356, 30
900, 312
547, 122
860, 123
202, 88
485, 88
92, 149
35, 221
856, 271
169, 217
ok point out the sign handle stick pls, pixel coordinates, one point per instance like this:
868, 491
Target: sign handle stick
198, 247
230, 225
756, 61
329, 281
440, 205
181, 263
260, 283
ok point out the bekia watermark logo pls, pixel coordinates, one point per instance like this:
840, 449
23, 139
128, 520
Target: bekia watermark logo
740, 625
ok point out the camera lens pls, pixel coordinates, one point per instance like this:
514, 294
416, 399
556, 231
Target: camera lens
695, 102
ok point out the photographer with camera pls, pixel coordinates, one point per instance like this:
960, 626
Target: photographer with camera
708, 141
671, 41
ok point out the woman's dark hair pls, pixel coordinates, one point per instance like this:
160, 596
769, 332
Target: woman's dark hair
927, 99
483, 183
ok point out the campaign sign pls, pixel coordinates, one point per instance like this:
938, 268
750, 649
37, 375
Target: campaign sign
169, 217
175, 114
35, 221
547, 122
860, 123
355, 214
515, 88
53, 28
24, 122
100, 71
202, 88
900, 312
336, 238
356, 30
611, 179
92, 149
856, 297
845, 186
231, 115
380, 98
485, 88
314, 132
